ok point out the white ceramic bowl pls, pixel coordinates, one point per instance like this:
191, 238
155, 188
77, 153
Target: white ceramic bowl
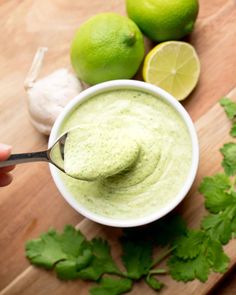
136, 85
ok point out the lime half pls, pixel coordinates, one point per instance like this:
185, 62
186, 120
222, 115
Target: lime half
173, 66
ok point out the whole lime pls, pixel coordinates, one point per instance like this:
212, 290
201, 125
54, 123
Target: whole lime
106, 47
163, 20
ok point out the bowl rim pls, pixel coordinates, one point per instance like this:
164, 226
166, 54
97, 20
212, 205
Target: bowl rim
136, 85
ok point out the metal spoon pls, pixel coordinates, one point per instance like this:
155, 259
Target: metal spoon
54, 155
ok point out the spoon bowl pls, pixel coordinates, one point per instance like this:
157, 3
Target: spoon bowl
54, 155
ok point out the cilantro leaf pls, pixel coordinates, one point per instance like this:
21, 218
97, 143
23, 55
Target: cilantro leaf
46, 250
153, 283
233, 130
84, 259
93, 271
52, 247
72, 255
229, 107
71, 241
69, 269
66, 270
229, 162
137, 257
220, 199
215, 191
66, 252
101, 249
216, 257
102, 252
110, 286
218, 227
190, 245
208, 256
102, 261
188, 270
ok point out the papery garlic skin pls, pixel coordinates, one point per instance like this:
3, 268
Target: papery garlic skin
48, 96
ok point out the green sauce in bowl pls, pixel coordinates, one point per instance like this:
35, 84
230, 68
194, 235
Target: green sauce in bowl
134, 150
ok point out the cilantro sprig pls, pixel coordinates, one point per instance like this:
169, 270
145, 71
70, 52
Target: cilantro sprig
230, 110
220, 200
71, 255
229, 162
192, 253
195, 256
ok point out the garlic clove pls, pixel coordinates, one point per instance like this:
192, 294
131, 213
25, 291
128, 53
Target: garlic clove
48, 96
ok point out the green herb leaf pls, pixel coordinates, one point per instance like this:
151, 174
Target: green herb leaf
189, 246
153, 283
110, 286
233, 130
46, 250
137, 257
209, 256
220, 200
101, 249
215, 191
66, 270
229, 107
229, 161
102, 252
71, 241
102, 261
60, 250
188, 270
218, 227
84, 259
216, 257
92, 272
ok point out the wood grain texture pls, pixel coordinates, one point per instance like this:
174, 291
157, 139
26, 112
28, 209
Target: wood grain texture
32, 204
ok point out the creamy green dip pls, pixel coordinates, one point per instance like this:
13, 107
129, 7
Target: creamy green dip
98, 151
134, 151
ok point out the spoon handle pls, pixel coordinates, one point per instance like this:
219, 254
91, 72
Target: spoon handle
25, 158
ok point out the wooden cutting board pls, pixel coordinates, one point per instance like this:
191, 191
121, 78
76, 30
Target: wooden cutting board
31, 204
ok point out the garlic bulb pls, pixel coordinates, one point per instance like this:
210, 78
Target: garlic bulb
48, 96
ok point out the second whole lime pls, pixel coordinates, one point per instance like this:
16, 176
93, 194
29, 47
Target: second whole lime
163, 20
107, 47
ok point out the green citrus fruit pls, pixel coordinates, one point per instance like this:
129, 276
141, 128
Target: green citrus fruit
173, 66
163, 20
106, 47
